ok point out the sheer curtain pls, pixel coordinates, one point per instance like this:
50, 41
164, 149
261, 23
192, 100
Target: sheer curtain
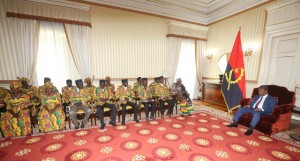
174, 45
186, 69
26, 34
78, 38
199, 66
54, 58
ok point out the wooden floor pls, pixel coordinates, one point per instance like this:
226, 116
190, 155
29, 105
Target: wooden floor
294, 126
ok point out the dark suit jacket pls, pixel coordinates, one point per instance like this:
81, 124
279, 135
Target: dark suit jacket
268, 106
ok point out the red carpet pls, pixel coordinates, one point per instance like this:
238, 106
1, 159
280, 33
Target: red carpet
199, 137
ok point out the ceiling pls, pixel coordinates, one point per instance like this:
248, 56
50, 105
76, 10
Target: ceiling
196, 11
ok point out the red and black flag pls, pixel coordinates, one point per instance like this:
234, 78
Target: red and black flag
234, 84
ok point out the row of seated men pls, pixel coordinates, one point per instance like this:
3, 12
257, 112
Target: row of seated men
24, 100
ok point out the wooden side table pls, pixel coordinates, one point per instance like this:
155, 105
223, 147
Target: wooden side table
296, 110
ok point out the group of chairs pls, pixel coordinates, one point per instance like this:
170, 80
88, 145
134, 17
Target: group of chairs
94, 117
129, 110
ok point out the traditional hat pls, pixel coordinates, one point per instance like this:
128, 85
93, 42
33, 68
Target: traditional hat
124, 80
101, 81
46, 79
48, 85
24, 79
68, 80
87, 79
15, 85
78, 81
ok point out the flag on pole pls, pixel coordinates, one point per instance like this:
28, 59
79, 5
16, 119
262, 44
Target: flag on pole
234, 84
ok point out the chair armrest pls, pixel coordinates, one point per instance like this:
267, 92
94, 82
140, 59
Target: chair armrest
245, 101
282, 109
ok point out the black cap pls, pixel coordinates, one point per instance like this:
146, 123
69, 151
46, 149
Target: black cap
69, 80
101, 81
144, 79
124, 80
78, 81
46, 79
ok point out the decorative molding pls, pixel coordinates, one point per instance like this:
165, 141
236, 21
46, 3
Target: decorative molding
186, 37
190, 26
232, 9
68, 4
41, 18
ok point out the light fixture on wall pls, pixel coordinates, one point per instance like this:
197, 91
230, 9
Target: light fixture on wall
248, 53
209, 57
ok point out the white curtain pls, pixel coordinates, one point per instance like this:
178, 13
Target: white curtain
25, 35
78, 38
200, 55
174, 45
54, 56
186, 68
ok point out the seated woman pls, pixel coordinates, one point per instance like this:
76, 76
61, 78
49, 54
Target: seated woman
51, 116
185, 105
178, 89
33, 93
16, 121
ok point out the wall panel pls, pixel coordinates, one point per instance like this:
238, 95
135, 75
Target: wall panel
126, 44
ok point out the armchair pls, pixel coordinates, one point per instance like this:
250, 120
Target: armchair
281, 116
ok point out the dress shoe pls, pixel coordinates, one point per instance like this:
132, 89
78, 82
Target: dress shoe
112, 123
76, 127
136, 120
123, 123
82, 125
169, 115
152, 118
102, 127
232, 125
248, 132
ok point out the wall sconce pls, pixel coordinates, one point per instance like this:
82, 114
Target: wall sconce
209, 57
297, 87
248, 53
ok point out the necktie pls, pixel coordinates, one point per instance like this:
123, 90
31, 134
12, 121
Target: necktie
258, 102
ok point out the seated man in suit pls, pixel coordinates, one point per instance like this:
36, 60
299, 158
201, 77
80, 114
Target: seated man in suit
125, 95
103, 97
262, 104
144, 94
79, 100
163, 93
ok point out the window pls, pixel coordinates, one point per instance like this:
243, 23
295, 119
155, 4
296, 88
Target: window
186, 69
54, 58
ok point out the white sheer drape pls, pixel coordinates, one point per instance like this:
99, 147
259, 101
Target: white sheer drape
174, 45
186, 68
79, 41
200, 54
25, 35
54, 55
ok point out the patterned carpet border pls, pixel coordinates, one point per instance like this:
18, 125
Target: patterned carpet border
283, 136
